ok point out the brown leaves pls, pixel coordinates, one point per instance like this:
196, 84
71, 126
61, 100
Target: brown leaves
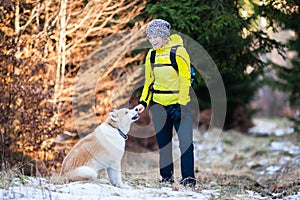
25, 114
43, 47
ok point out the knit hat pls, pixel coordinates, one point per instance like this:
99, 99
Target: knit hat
158, 27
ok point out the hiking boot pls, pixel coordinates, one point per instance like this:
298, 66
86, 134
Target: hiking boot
189, 181
167, 181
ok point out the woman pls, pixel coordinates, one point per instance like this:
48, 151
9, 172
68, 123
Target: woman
167, 91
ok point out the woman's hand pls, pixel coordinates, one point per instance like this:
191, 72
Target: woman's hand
140, 108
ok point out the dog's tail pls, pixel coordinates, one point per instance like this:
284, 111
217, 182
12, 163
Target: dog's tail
82, 173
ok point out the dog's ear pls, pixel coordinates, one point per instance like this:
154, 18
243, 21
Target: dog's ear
113, 116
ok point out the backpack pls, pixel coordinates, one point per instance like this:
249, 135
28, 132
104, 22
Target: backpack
174, 64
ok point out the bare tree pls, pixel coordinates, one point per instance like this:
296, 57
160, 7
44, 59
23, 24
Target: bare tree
83, 48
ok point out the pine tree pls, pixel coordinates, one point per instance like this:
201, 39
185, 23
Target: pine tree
289, 78
232, 39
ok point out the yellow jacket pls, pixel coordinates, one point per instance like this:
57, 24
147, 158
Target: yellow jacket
166, 78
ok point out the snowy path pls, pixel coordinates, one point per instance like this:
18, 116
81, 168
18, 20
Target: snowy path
40, 190
278, 153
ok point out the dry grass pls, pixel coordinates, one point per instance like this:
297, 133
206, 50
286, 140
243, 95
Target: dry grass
228, 186
229, 173
226, 172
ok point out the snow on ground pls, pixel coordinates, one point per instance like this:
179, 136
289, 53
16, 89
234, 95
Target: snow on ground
41, 189
37, 188
209, 149
271, 127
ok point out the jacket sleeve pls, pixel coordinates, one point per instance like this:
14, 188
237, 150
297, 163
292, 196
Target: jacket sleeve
149, 79
183, 62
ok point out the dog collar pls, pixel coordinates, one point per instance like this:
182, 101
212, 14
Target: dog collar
122, 134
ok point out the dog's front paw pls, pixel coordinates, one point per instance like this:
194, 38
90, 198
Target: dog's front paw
123, 185
126, 186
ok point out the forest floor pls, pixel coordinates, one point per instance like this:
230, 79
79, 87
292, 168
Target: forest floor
264, 164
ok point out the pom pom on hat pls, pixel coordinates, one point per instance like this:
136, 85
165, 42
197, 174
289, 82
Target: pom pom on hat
158, 27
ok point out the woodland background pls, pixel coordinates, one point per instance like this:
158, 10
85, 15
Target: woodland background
45, 46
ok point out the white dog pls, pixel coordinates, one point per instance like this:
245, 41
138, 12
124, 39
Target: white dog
101, 149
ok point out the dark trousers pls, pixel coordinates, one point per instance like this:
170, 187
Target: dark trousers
163, 123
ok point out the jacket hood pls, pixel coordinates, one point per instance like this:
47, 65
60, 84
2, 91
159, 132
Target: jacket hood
175, 39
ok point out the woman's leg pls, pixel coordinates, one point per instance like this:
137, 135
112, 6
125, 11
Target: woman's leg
163, 128
184, 131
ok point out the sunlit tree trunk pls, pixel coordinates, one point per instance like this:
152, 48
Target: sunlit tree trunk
17, 17
61, 54
47, 43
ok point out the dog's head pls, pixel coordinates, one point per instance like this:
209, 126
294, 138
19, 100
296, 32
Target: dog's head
124, 117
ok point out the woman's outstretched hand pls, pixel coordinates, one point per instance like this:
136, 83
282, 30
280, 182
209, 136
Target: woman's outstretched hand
140, 108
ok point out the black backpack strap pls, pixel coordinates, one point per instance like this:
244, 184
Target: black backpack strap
173, 57
152, 58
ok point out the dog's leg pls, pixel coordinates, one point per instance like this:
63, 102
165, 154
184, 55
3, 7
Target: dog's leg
115, 177
82, 173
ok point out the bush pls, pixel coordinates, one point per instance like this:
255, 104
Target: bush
26, 120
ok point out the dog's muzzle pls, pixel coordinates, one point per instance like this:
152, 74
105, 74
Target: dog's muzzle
135, 117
